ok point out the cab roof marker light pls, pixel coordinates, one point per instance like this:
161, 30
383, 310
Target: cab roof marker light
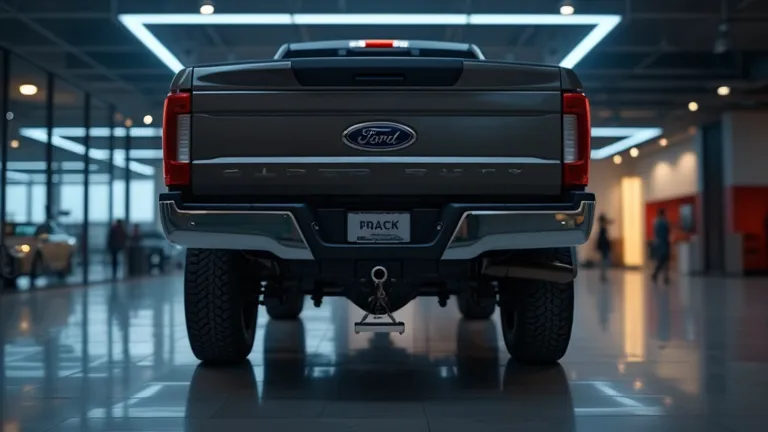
639, 137
137, 25
631, 136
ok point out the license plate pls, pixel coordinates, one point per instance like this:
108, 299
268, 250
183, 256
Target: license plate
379, 227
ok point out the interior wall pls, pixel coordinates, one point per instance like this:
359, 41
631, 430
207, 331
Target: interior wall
605, 183
745, 143
669, 178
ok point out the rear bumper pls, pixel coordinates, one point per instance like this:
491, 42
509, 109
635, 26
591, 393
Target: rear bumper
292, 231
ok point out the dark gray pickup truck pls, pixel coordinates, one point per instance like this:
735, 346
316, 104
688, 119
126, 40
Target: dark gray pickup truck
380, 171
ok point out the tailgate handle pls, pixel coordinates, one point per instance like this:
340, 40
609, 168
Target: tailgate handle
379, 78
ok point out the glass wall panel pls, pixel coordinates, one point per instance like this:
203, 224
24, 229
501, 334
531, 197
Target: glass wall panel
99, 191
69, 167
26, 192
119, 169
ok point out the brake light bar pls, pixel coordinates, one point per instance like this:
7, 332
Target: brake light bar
177, 129
577, 136
378, 43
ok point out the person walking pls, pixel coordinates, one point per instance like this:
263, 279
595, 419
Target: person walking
604, 245
116, 240
661, 246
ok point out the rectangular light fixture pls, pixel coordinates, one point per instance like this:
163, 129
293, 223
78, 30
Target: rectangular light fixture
632, 221
602, 25
631, 137
41, 135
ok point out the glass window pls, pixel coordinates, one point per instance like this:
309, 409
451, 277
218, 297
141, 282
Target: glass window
2, 123
99, 191
27, 141
69, 166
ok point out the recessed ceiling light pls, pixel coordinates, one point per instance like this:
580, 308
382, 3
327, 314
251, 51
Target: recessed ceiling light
147, 119
14, 143
693, 107
128, 122
723, 90
9, 115
566, 8
617, 159
139, 25
28, 89
207, 8
663, 142
634, 152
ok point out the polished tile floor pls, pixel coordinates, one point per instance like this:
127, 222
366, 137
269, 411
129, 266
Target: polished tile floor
689, 357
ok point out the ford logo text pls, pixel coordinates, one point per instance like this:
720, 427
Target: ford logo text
379, 136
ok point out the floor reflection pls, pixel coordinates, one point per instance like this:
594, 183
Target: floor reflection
689, 356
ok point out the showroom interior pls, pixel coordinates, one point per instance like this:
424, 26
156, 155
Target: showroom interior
679, 109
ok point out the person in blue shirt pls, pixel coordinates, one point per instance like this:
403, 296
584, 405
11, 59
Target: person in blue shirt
661, 246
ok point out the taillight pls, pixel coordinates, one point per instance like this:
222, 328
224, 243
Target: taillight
577, 137
176, 138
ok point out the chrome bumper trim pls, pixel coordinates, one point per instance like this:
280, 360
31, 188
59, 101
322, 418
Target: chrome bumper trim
240, 230
504, 230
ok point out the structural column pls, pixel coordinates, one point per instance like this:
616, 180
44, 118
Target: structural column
745, 182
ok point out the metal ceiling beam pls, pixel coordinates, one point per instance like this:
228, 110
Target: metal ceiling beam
66, 46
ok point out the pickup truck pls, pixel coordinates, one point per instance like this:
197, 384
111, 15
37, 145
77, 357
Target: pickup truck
380, 171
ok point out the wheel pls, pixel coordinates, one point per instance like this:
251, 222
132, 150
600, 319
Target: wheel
288, 307
473, 306
67, 271
36, 269
537, 317
220, 306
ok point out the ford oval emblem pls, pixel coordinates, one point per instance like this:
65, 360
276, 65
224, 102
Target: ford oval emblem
379, 136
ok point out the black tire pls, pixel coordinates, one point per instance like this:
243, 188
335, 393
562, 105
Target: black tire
220, 306
36, 269
473, 307
67, 271
287, 308
537, 316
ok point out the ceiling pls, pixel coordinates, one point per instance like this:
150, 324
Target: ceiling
644, 73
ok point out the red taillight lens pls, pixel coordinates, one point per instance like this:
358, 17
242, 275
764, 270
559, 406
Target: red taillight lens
176, 138
577, 136
378, 43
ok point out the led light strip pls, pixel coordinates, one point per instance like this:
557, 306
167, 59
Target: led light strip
137, 24
631, 136
41, 135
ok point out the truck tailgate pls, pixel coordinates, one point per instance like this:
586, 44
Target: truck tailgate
276, 128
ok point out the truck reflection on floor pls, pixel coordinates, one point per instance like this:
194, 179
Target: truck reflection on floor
383, 372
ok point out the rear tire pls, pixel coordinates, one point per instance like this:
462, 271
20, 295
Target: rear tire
537, 317
220, 306
287, 308
473, 306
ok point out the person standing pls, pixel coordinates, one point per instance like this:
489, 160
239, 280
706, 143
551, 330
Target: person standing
116, 241
661, 246
604, 245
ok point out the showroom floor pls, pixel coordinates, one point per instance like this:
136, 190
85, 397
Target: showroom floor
692, 356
